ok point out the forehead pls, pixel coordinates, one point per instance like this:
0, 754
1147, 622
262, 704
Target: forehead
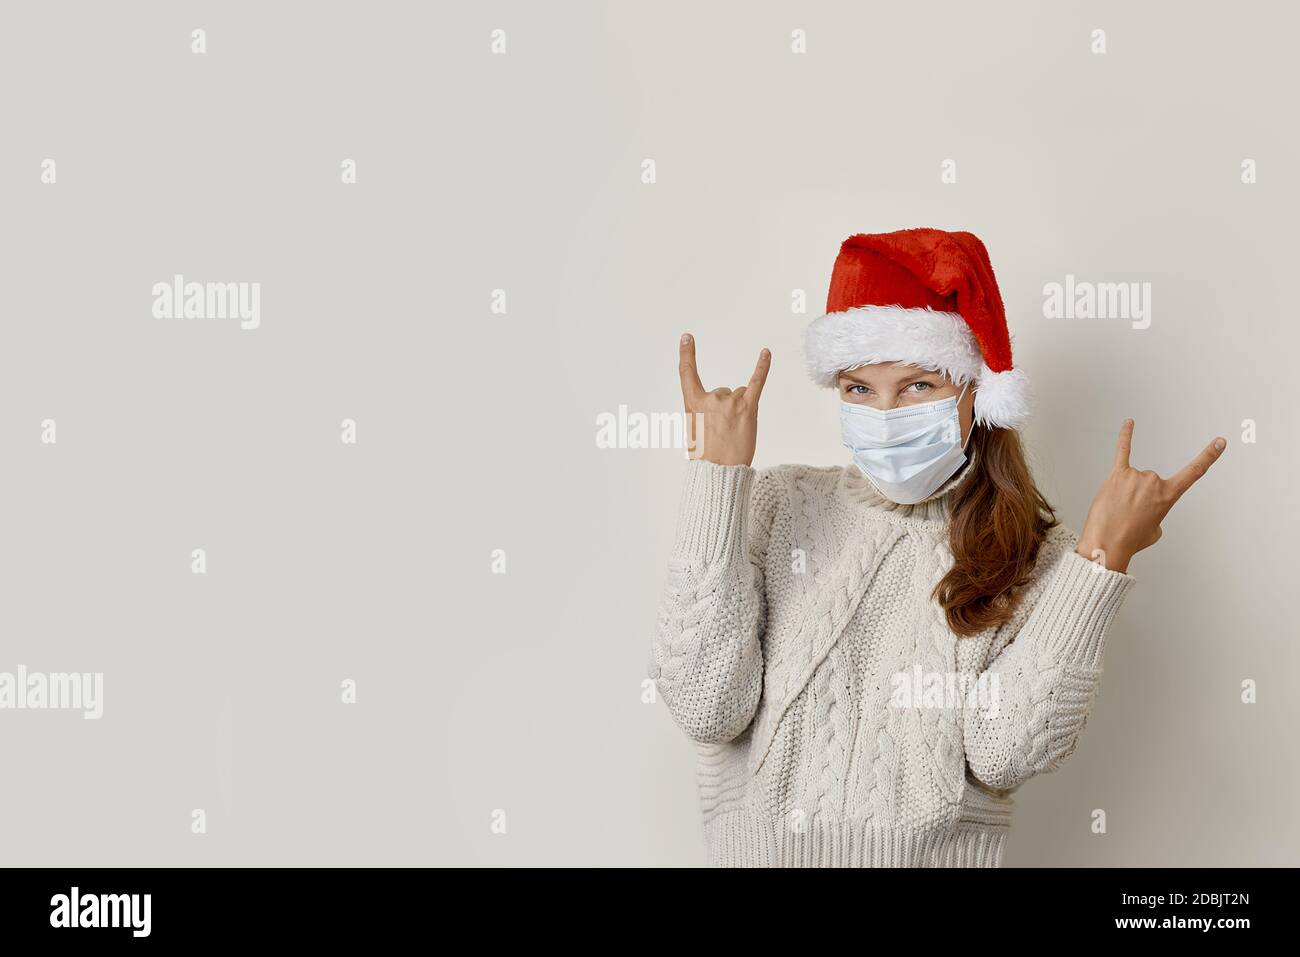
894, 372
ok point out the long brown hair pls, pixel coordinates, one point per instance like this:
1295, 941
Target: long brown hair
998, 521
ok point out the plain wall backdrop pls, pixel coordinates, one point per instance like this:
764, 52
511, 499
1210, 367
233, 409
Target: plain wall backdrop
522, 692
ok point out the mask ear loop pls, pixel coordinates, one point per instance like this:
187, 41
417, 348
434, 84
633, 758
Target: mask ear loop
972, 418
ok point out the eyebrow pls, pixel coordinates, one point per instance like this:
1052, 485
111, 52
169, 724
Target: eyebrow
919, 374
906, 380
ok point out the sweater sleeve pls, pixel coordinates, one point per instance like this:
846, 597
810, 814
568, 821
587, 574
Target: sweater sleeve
1044, 673
706, 658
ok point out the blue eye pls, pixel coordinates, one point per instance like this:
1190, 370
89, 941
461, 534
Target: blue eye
927, 386
851, 389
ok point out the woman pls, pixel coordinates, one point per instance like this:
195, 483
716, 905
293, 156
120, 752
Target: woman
872, 657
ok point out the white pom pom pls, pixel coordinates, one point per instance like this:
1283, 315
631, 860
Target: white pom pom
1002, 399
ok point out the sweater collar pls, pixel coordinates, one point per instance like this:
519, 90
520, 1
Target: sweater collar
854, 487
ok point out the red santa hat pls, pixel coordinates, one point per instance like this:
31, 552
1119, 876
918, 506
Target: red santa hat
923, 297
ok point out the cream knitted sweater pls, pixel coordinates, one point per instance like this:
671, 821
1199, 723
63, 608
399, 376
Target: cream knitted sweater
795, 620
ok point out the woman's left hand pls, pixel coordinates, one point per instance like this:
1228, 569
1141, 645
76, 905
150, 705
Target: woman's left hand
1125, 516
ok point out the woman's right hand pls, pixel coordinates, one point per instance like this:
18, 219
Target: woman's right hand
722, 425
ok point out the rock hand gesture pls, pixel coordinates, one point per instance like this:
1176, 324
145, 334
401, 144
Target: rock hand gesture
722, 425
1125, 516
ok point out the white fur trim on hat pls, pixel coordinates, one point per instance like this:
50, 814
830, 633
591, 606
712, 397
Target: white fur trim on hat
922, 337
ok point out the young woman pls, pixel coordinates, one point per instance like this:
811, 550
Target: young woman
872, 657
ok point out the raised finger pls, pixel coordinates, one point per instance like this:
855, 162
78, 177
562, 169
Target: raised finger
1186, 477
1124, 445
759, 378
692, 387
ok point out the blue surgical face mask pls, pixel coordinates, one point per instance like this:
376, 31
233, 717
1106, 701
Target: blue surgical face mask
909, 452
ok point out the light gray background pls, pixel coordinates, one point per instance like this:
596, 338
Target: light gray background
523, 691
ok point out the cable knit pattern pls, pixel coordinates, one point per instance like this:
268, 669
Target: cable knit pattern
797, 603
